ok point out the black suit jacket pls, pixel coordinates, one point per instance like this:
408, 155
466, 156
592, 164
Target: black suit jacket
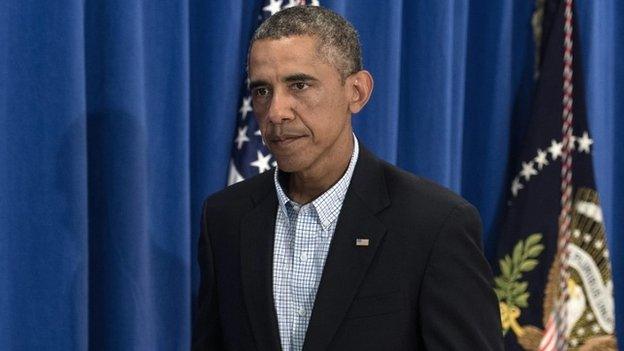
421, 284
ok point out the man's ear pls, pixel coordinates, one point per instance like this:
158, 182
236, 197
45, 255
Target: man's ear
359, 90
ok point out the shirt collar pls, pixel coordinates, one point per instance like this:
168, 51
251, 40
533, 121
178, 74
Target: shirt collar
328, 204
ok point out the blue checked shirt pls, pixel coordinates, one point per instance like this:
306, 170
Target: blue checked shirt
302, 237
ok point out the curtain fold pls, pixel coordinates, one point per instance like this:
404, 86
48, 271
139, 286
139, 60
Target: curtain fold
43, 177
433, 77
117, 119
499, 63
138, 118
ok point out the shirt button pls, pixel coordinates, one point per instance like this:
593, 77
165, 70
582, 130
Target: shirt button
302, 312
304, 257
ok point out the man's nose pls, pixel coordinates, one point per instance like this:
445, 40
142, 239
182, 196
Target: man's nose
280, 109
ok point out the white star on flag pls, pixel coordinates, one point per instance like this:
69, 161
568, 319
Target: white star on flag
555, 149
259, 133
584, 143
241, 138
541, 159
274, 7
262, 163
516, 186
527, 170
246, 107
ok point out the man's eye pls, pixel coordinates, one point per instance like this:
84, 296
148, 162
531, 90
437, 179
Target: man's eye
261, 91
300, 85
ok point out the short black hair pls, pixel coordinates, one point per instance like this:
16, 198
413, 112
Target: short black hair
338, 41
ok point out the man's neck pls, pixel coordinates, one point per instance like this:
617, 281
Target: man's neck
305, 186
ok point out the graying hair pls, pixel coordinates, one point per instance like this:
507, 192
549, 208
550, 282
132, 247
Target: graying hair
338, 41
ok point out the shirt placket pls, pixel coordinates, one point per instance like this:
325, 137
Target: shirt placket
284, 271
302, 279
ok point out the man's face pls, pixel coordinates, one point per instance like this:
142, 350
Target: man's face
300, 102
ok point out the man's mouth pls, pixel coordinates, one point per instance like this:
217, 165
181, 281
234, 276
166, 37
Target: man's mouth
284, 140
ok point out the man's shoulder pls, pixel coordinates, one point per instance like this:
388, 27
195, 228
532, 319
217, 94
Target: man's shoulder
416, 202
406, 185
241, 192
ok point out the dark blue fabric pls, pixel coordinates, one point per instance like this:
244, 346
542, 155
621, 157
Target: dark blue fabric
117, 119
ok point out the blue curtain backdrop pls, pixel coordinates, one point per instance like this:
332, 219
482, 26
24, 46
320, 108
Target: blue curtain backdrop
117, 119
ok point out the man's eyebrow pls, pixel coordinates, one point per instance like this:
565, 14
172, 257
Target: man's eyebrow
297, 77
257, 83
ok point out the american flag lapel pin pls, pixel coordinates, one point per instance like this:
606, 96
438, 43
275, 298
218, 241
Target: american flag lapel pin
361, 242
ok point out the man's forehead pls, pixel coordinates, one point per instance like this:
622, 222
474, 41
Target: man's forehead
284, 56
293, 48
299, 41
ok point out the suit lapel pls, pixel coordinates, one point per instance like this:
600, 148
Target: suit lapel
346, 263
257, 234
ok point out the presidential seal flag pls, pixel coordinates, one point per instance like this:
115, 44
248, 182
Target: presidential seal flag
553, 278
249, 154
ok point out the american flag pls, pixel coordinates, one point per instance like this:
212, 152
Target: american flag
249, 155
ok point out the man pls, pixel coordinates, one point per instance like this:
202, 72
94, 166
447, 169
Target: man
335, 250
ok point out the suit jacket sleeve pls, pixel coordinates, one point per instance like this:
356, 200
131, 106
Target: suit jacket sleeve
206, 333
459, 309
